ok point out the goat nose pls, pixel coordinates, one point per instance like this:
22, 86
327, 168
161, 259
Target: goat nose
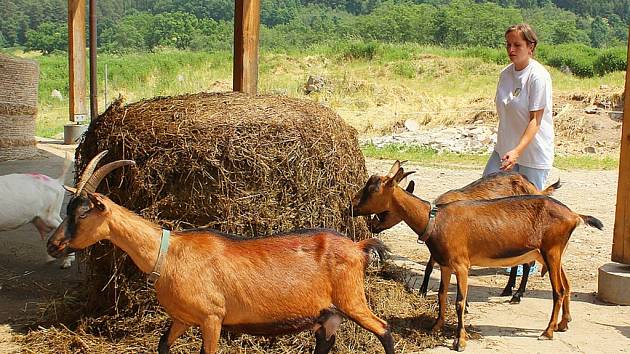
55, 249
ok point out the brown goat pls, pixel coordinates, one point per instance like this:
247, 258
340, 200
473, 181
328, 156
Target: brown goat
496, 185
489, 233
308, 279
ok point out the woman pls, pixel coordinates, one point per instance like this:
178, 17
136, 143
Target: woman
525, 138
523, 101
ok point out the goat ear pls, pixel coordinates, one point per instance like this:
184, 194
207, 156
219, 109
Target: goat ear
97, 201
410, 187
394, 170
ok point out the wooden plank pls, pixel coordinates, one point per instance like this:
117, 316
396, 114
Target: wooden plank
77, 60
246, 34
621, 235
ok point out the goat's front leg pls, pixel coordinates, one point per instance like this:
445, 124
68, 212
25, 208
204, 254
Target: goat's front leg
427, 275
42, 227
174, 331
461, 272
516, 299
511, 282
442, 297
210, 332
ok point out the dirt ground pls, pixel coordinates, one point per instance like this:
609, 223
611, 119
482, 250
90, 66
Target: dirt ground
26, 280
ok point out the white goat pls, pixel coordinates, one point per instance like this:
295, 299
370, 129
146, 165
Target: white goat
34, 198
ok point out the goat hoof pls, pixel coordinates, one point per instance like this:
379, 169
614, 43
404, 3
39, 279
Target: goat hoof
458, 345
562, 326
436, 328
546, 336
515, 300
506, 292
50, 259
65, 265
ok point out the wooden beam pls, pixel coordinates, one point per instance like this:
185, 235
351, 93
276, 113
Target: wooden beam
77, 60
246, 33
621, 235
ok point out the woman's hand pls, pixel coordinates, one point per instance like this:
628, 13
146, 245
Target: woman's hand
508, 161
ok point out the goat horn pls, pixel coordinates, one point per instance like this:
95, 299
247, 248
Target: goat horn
406, 174
88, 171
97, 177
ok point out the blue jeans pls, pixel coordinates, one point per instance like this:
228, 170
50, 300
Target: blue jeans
535, 175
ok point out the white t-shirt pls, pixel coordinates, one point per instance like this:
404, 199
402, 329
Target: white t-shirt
518, 93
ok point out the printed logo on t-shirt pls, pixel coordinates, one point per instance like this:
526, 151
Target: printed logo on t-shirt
517, 91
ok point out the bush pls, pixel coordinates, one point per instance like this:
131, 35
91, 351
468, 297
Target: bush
578, 58
405, 69
359, 50
609, 60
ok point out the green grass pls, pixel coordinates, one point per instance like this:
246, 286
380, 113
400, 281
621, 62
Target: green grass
430, 157
372, 87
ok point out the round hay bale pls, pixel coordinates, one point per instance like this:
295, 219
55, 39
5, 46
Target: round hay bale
19, 79
246, 165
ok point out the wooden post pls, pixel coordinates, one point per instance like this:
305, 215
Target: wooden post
621, 235
93, 66
246, 33
77, 60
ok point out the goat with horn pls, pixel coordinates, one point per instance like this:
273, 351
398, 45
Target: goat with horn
307, 279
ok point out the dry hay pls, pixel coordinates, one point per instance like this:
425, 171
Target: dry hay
409, 315
18, 107
250, 166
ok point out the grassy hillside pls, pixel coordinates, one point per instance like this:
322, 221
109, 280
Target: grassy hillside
432, 85
373, 88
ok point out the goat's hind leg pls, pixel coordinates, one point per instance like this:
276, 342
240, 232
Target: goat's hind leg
358, 311
174, 331
555, 276
566, 314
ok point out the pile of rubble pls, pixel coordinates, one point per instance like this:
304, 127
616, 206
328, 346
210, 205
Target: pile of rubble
472, 138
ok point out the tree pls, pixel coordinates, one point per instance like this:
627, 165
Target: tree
48, 37
600, 33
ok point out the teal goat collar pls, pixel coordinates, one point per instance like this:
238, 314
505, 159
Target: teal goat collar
426, 233
155, 273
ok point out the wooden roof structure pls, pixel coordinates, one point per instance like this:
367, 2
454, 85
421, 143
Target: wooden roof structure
245, 79
245, 70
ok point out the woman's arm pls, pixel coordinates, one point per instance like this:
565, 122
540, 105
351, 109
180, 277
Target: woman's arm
511, 157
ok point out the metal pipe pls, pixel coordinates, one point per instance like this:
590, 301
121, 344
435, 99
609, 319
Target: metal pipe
93, 91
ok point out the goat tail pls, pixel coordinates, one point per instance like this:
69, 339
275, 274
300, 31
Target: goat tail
592, 221
374, 245
552, 188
